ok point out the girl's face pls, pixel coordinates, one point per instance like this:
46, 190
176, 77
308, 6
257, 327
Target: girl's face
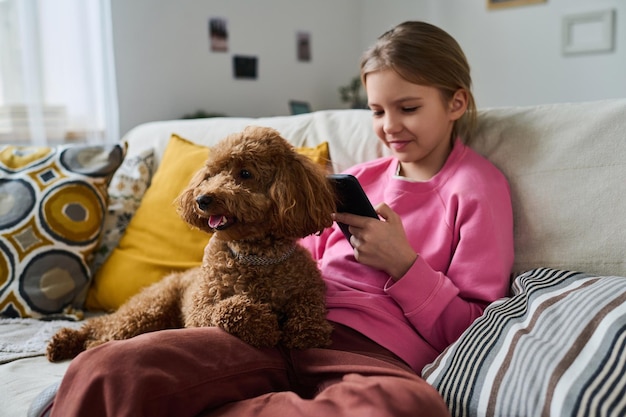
413, 121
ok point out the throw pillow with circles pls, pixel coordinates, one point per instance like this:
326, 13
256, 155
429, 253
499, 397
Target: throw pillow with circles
52, 206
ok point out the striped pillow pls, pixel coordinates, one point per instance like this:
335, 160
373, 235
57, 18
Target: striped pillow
555, 348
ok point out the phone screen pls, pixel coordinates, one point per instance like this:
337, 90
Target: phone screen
351, 199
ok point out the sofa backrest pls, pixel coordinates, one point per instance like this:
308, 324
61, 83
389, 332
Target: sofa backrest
566, 164
348, 133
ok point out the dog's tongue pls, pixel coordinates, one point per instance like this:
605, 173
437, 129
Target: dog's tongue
216, 221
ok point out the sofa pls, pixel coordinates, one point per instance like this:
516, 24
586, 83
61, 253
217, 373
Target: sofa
555, 346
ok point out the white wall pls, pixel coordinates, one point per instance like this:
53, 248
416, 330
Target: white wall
165, 69
515, 53
378, 17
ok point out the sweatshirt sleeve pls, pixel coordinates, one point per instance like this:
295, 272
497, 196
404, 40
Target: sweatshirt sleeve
441, 305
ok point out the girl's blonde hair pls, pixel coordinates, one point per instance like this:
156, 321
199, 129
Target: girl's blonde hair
424, 54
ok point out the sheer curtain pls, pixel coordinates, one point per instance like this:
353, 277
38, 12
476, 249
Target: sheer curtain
57, 77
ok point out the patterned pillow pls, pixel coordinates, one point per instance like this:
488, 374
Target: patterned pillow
555, 348
128, 185
52, 204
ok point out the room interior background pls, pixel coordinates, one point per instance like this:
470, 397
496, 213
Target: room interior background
164, 67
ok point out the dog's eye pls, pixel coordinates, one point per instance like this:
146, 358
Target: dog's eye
245, 174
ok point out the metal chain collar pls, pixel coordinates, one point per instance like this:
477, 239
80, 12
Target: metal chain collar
257, 260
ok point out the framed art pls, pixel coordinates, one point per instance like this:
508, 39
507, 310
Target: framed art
299, 107
218, 34
589, 32
500, 4
245, 67
303, 46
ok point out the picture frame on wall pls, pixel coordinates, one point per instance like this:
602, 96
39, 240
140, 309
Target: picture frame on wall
501, 4
218, 34
245, 67
303, 46
589, 32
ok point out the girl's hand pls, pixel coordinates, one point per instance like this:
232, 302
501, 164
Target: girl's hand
380, 244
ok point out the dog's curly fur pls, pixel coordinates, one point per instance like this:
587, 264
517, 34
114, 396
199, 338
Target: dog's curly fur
258, 196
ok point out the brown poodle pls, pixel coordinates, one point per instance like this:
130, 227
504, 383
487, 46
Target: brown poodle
259, 197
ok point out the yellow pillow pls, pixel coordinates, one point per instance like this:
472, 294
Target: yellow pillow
157, 241
319, 154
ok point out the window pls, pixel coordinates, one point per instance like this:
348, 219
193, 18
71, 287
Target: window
57, 81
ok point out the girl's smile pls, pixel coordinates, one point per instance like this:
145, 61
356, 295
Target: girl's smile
398, 146
413, 121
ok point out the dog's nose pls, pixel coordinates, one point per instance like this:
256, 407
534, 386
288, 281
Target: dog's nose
204, 201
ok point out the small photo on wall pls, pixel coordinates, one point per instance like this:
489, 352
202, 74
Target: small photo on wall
218, 35
303, 42
245, 66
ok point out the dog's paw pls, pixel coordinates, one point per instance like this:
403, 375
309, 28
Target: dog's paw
199, 318
65, 344
255, 324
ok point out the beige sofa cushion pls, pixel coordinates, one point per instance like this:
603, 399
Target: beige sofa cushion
348, 132
566, 164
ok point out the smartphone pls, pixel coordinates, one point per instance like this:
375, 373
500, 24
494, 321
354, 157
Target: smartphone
350, 199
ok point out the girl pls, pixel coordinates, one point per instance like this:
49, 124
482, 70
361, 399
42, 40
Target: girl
398, 293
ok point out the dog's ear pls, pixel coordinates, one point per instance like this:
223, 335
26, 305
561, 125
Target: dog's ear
186, 201
304, 197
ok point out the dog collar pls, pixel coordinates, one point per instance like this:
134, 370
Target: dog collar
257, 260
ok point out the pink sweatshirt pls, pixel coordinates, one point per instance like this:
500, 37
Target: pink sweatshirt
459, 222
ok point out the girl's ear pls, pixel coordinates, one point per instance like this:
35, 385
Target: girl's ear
458, 104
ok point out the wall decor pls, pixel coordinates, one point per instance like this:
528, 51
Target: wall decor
218, 34
303, 45
500, 4
245, 66
589, 32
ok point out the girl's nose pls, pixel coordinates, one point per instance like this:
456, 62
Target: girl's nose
391, 124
